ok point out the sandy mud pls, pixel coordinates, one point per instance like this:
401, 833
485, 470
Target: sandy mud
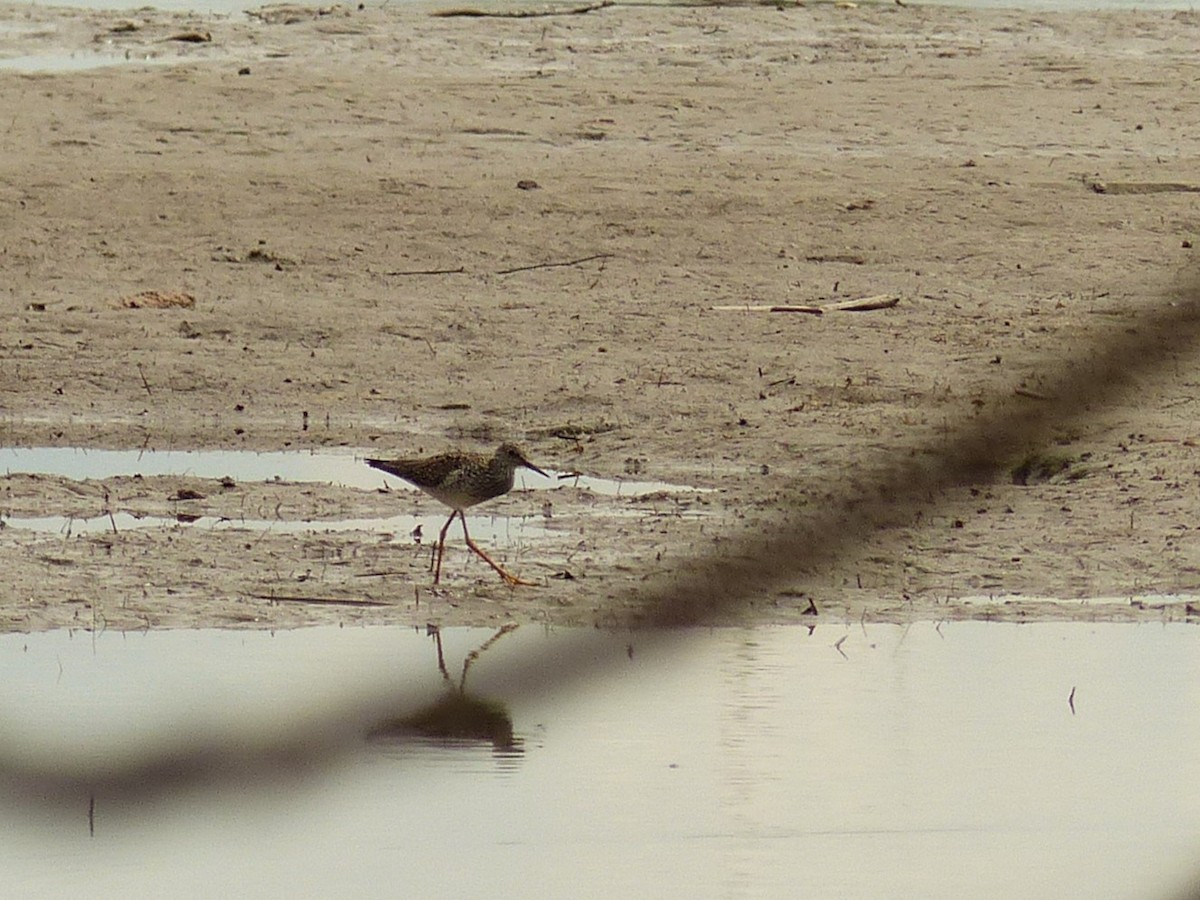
387, 232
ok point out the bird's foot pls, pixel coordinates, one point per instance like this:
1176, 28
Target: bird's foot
513, 581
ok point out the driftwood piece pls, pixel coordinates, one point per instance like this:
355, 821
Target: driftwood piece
862, 304
469, 12
1141, 187
865, 304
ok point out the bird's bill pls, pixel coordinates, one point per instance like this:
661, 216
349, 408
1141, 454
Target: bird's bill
527, 464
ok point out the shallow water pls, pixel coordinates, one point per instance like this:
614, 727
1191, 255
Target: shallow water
964, 760
324, 467
231, 7
494, 528
339, 469
80, 60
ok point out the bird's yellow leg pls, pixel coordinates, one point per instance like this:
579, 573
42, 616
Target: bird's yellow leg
509, 578
441, 547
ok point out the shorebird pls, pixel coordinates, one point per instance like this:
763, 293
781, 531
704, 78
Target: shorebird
462, 480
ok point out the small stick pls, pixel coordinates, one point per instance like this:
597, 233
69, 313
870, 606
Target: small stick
553, 265
1032, 395
457, 271
145, 383
1071, 700
811, 310
520, 13
333, 601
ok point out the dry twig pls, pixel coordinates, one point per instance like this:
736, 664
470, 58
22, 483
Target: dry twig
555, 265
469, 12
460, 270
745, 307
327, 601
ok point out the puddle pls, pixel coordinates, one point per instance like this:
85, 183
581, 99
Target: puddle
205, 7
332, 468
963, 760
77, 61
324, 467
1140, 600
494, 528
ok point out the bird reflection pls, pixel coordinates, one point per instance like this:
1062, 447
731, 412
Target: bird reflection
456, 715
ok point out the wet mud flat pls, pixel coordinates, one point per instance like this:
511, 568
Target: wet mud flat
383, 232
161, 550
391, 232
345, 544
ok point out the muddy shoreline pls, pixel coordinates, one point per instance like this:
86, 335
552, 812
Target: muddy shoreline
393, 233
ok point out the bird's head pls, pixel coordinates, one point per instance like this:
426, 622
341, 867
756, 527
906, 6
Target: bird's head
512, 455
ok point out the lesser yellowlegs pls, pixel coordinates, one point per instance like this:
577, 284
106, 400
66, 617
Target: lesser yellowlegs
461, 480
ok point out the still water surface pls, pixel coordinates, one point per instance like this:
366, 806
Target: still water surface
344, 469
901, 762
229, 7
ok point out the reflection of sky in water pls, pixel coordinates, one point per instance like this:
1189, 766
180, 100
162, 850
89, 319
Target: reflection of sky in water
242, 465
235, 6
491, 527
79, 60
326, 467
754, 762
